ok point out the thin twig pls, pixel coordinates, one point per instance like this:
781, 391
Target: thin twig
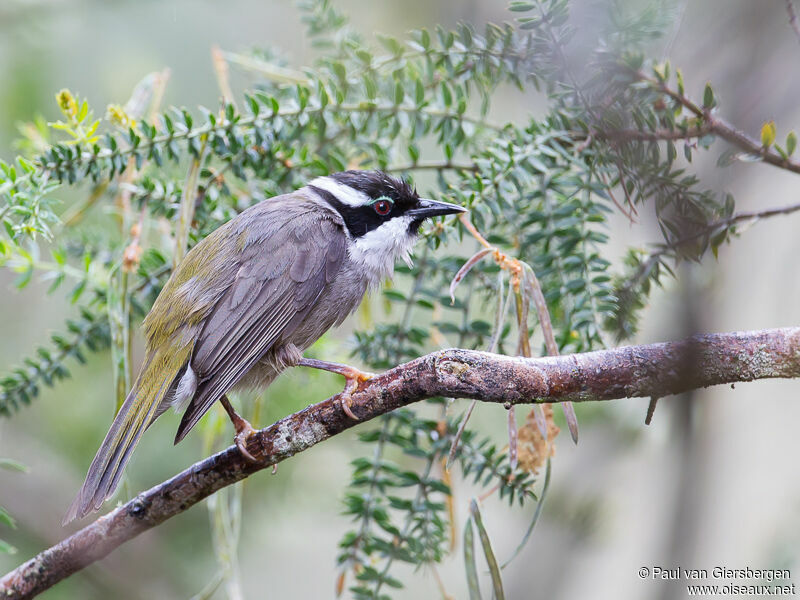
654, 256
610, 190
723, 129
655, 135
624, 187
433, 166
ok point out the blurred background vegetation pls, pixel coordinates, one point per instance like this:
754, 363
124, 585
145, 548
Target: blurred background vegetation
711, 482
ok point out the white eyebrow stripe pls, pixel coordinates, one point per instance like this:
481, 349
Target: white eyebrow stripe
344, 193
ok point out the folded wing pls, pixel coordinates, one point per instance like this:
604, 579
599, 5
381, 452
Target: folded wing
279, 279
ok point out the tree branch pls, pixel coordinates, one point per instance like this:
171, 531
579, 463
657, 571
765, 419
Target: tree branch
655, 370
656, 135
720, 127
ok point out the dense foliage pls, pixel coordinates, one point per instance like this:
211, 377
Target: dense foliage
617, 138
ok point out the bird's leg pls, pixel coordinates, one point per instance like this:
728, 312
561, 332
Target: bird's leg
353, 378
243, 429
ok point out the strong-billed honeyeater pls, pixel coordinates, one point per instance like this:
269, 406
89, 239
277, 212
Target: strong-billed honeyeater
247, 300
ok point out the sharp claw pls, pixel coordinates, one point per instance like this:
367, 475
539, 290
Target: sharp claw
240, 439
351, 386
344, 401
353, 378
244, 431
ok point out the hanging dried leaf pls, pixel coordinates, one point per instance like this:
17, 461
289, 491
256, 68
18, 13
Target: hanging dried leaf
533, 448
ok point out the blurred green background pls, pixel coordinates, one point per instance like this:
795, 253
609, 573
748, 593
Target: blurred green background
713, 482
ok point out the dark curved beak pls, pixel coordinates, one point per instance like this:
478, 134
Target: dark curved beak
432, 208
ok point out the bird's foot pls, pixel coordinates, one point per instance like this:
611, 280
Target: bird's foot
353, 379
241, 438
244, 431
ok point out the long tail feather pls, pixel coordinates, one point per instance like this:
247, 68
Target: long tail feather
137, 413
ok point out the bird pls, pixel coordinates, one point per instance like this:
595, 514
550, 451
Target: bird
247, 301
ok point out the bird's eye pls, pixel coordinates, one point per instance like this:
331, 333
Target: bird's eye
382, 207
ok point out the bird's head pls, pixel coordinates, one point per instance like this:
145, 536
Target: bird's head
382, 215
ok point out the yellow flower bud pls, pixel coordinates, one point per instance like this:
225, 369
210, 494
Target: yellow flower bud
768, 133
67, 103
117, 116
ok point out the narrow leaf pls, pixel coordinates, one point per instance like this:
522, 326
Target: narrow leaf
469, 562
467, 266
572, 419
12, 465
708, 97
6, 519
791, 143
494, 569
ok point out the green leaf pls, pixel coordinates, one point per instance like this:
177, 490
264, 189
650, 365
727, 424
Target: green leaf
419, 93
77, 292
447, 95
730, 205
494, 569
391, 44
60, 257
24, 277
6, 519
708, 97
791, 143
469, 562
394, 295
521, 6
527, 23
370, 87
83, 112
425, 39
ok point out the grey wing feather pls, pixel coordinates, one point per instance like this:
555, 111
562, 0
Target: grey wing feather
278, 282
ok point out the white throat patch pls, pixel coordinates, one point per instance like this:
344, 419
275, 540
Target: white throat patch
343, 193
376, 251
